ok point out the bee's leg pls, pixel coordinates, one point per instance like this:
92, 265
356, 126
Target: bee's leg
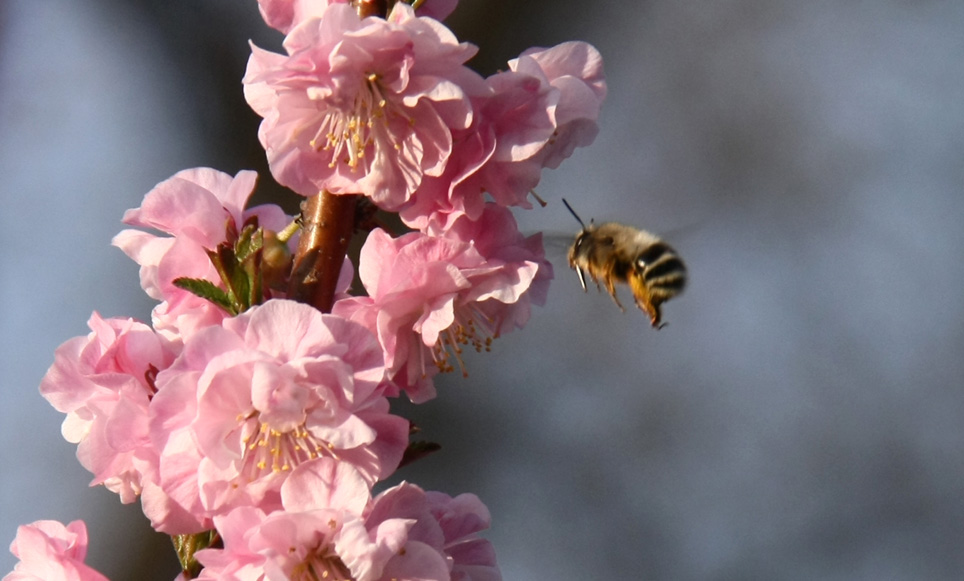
595, 280
646, 302
612, 292
653, 311
655, 316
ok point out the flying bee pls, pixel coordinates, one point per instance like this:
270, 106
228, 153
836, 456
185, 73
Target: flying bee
614, 252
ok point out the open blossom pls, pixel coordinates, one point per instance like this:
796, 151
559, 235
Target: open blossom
442, 524
430, 295
319, 534
104, 382
50, 551
575, 70
460, 520
361, 105
251, 399
331, 528
532, 116
504, 302
193, 207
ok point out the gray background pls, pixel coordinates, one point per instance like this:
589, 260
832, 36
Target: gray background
802, 417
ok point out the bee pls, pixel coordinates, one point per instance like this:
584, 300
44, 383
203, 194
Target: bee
614, 252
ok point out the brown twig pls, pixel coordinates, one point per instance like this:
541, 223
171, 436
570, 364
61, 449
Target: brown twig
367, 8
327, 225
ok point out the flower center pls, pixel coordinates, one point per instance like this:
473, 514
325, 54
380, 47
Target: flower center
321, 565
345, 133
269, 450
464, 331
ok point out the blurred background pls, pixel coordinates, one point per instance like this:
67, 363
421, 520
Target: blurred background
801, 417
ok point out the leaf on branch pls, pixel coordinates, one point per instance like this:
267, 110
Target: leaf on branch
249, 250
417, 451
187, 545
250, 242
207, 290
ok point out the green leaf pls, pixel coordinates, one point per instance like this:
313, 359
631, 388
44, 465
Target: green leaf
226, 262
250, 242
207, 290
240, 285
417, 451
187, 545
252, 268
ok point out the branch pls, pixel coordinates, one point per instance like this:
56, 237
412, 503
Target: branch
328, 222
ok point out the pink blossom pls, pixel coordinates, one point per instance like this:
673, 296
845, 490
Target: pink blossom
194, 207
50, 551
505, 301
532, 116
320, 534
331, 528
430, 295
458, 191
361, 105
104, 383
440, 525
575, 70
251, 399
496, 158
461, 519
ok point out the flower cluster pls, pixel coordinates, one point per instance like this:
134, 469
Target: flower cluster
261, 423
50, 551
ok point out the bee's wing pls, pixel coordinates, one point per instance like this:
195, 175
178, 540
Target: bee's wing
557, 247
557, 243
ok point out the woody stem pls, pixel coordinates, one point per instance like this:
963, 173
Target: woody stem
327, 225
367, 8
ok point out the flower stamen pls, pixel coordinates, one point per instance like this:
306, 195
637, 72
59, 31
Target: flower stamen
269, 450
464, 331
321, 565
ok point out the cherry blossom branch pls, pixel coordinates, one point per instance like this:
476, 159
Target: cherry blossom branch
249, 416
328, 221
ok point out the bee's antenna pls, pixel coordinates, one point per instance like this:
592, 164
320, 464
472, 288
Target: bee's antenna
575, 215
